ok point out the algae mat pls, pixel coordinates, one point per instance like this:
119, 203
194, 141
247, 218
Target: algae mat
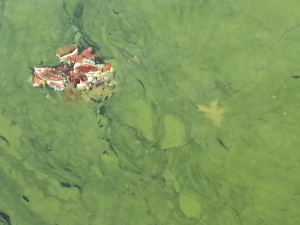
202, 129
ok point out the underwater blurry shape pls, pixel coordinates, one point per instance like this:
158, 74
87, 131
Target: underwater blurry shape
213, 112
190, 205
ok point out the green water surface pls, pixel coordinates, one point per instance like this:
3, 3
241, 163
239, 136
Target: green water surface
146, 156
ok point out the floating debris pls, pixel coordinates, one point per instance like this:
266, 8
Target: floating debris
77, 72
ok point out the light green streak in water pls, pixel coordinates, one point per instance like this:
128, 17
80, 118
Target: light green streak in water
188, 52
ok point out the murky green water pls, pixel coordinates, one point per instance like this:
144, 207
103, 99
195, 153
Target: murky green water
147, 156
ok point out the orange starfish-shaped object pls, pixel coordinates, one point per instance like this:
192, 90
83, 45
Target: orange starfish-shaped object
213, 112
